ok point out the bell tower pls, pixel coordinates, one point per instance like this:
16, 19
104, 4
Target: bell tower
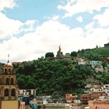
8, 83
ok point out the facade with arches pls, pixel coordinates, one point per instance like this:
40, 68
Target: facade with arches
8, 83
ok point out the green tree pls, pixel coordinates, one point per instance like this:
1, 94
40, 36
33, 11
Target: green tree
74, 53
104, 64
49, 54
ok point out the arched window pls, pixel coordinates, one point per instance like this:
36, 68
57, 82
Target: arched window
6, 72
12, 81
13, 92
9, 71
6, 92
7, 81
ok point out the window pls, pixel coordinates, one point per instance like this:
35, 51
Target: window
6, 72
13, 92
7, 81
6, 92
12, 81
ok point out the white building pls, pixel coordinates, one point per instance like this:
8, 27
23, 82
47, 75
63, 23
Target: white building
26, 92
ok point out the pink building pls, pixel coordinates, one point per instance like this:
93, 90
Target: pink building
22, 105
68, 96
98, 104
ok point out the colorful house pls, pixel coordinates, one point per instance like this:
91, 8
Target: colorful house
95, 63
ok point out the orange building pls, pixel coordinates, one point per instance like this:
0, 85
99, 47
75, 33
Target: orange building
85, 98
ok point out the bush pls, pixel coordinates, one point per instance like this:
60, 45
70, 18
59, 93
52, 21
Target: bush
76, 66
49, 54
72, 58
73, 94
74, 62
74, 53
82, 91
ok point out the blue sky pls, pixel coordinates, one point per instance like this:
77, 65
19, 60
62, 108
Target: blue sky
31, 28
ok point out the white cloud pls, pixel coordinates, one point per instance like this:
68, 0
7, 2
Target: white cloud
103, 19
46, 17
8, 27
89, 26
48, 37
55, 18
98, 36
29, 24
80, 19
7, 4
77, 6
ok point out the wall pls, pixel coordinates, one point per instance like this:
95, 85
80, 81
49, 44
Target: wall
22, 105
9, 104
101, 106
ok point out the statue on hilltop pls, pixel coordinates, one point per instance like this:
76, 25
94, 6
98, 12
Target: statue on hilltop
59, 53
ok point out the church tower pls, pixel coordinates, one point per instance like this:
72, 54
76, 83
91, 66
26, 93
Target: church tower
8, 83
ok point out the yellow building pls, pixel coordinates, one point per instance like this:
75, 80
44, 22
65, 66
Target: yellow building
9, 104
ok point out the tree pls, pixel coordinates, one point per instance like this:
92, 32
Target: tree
104, 64
74, 53
49, 54
15, 66
73, 94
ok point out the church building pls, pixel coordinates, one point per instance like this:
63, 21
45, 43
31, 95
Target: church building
8, 83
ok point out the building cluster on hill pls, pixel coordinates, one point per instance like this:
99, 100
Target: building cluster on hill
93, 94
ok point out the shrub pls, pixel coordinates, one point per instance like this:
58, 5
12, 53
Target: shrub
74, 62
49, 54
74, 53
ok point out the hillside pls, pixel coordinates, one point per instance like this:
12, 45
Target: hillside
94, 54
60, 75
50, 76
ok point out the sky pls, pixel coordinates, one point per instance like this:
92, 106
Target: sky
31, 28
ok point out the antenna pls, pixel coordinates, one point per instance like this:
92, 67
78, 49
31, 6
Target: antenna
8, 57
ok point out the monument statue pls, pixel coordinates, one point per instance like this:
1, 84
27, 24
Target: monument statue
59, 53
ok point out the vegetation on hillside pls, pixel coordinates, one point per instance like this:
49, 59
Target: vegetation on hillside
49, 75
94, 54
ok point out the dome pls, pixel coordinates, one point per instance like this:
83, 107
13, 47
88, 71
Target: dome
8, 64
